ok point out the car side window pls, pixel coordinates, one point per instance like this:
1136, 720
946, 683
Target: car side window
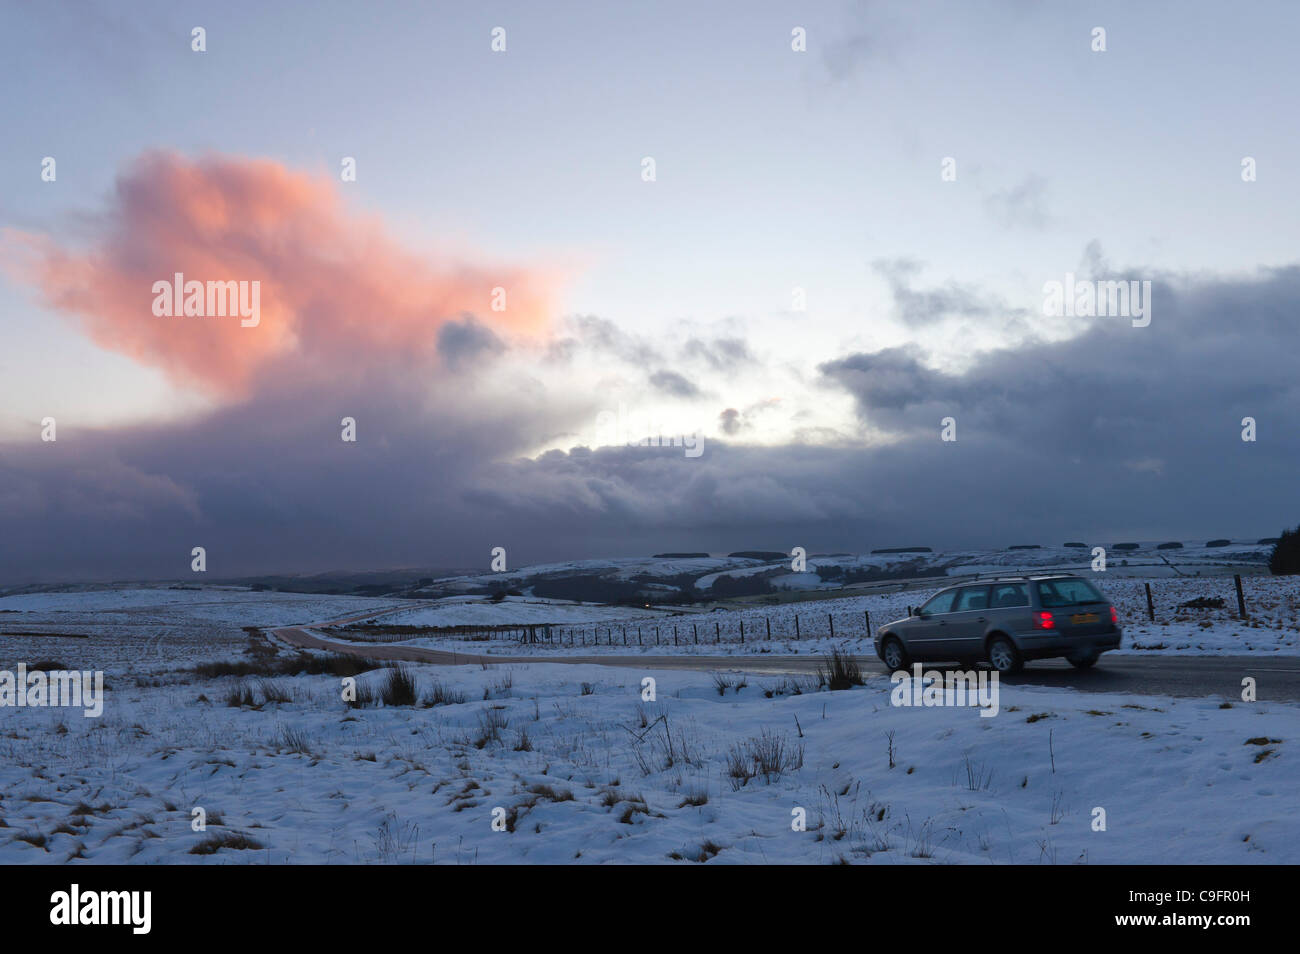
1009, 594
939, 604
972, 598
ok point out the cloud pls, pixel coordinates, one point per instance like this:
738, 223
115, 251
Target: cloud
732, 421
868, 38
892, 379
339, 296
465, 341
670, 382
597, 335
1160, 405
1119, 432
921, 307
720, 354
1025, 204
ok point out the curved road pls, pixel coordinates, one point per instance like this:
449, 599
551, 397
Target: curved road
1277, 677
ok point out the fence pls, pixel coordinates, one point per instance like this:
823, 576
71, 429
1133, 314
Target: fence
730, 627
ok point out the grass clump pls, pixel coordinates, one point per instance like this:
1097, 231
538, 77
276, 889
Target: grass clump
840, 671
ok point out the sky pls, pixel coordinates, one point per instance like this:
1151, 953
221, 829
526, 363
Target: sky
841, 246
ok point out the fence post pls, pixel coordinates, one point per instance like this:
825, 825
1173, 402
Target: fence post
717, 631
832, 622
624, 635
656, 635
796, 625
769, 626
1151, 607
866, 615
674, 635
742, 631
695, 636
1241, 597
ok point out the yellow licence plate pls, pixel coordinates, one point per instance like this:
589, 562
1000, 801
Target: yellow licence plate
1078, 618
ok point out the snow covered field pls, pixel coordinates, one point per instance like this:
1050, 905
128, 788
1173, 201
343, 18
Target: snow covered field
514, 611
584, 771
144, 629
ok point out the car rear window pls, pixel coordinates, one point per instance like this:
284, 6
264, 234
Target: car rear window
1070, 592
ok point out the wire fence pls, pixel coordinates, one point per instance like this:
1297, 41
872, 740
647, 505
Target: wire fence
720, 627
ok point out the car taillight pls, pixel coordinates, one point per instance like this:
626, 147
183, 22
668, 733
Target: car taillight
1045, 621
1114, 617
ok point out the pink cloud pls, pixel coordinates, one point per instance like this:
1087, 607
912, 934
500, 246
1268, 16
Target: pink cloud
339, 295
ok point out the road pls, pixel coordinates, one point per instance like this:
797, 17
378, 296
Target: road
1277, 677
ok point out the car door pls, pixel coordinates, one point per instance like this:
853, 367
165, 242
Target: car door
1009, 608
964, 634
930, 629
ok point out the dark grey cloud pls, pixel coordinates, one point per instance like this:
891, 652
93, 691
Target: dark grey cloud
889, 380
467, 341
1119, 432
1138, 427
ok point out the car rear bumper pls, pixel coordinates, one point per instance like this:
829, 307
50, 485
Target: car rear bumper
1055, 643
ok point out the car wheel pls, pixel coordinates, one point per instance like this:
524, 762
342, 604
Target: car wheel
1004, 657
1084, 662
894, 655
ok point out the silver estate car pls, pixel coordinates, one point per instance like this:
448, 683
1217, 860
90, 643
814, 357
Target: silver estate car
1005, 621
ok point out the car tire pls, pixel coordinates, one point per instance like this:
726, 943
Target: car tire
1004, 657
894, 654
1084, 662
